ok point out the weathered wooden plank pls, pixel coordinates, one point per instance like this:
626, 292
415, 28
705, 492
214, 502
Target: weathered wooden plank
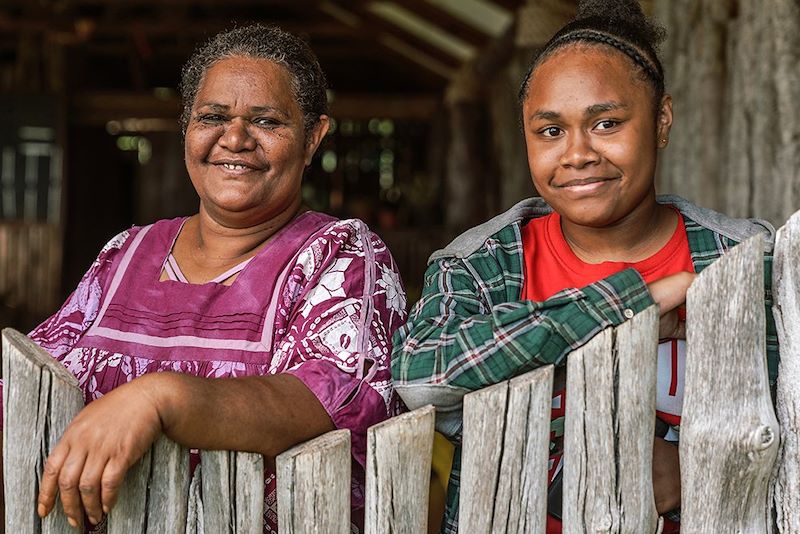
481, 452
194, 514
637, 348
786, 309
168, 498
729, 433
249, 489
217, 492
608, 437
314, 485
129, 515
521, 500
398, 473
40, 397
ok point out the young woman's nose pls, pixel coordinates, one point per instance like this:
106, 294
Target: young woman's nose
578, 151
236, 136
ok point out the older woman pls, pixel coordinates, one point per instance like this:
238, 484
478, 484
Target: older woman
254, 324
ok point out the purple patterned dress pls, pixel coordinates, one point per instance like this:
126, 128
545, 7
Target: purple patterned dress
320, 302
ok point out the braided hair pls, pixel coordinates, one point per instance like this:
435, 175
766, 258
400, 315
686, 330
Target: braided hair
618, 24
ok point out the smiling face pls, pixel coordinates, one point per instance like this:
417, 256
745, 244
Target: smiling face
592, 136
245, 144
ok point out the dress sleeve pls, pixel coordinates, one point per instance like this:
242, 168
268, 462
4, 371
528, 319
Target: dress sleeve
59, 333
338, 336
456, 341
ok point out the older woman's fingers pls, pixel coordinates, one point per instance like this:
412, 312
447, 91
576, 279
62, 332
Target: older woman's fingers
113, 475
48, 487
89, 487
68, 486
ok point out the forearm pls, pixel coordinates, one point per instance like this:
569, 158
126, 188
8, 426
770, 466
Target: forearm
265, 414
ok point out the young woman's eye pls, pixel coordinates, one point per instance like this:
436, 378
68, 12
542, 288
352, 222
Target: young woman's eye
606, 124
550, 131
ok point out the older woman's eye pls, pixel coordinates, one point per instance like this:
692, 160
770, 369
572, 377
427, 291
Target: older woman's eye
210, 118
550, 131
267, 122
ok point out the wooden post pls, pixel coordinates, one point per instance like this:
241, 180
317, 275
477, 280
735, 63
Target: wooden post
40, 397
504, 462
608, 437
233, 492
168, 497
399, 472
314, 486
786, 294
729, 433
130, 512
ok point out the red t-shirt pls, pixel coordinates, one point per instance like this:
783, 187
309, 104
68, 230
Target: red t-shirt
551, 266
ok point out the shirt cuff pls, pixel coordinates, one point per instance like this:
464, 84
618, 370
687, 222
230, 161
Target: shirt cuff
620, 296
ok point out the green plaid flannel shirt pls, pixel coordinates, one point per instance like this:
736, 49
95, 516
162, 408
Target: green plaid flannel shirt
470, 329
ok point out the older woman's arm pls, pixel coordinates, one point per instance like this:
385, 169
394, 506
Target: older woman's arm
265, 414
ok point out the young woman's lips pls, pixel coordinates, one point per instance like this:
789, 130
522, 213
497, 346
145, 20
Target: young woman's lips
586, 185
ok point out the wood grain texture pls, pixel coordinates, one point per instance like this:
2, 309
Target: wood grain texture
731, 67
398, 473
39, 399
608, 436
168, 498
194, 513
129, 515
314, 486
481, 451
729, 433
786, 309
521, 499
249, 493
218, 494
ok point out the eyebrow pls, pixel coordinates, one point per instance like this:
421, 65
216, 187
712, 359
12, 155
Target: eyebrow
591, 111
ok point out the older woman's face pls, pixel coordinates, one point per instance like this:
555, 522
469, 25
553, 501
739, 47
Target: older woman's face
245, 143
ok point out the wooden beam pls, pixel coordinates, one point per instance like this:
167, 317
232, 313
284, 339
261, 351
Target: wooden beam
402, 107
444, 20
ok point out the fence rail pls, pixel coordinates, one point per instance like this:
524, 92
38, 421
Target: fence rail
731, 480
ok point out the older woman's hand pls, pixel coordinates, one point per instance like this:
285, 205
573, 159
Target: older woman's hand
97, 449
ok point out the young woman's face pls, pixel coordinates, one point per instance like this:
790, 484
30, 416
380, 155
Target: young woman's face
592, 136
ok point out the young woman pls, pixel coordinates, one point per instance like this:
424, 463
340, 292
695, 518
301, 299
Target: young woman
533, 284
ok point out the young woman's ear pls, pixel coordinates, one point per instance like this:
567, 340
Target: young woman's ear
664, 121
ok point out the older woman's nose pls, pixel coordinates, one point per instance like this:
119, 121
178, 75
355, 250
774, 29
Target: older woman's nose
578, 151
236, 136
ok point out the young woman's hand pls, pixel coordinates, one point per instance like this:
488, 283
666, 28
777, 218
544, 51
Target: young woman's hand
666, 476
670, 294
104, 440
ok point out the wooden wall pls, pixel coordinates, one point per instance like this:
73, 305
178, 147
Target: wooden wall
733, 68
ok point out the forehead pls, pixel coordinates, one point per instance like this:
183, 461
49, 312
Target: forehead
582, 75
240, 77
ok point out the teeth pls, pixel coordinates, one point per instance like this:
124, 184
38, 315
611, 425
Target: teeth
234, 167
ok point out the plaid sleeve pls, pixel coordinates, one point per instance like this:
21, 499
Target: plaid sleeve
457, 340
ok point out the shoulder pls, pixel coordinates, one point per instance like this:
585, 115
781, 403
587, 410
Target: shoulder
734, 229
503, 228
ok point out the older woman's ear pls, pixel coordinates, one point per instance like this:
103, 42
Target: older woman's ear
315, 137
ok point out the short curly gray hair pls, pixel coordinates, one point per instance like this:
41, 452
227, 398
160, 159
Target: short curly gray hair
263, 42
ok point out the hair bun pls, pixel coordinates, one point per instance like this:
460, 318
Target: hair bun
628, 11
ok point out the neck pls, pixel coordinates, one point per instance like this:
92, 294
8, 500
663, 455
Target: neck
219, 242
634, 238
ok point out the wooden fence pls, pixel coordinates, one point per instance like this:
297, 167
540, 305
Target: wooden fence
730, 437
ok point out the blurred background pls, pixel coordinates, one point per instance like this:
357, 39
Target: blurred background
426, 139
